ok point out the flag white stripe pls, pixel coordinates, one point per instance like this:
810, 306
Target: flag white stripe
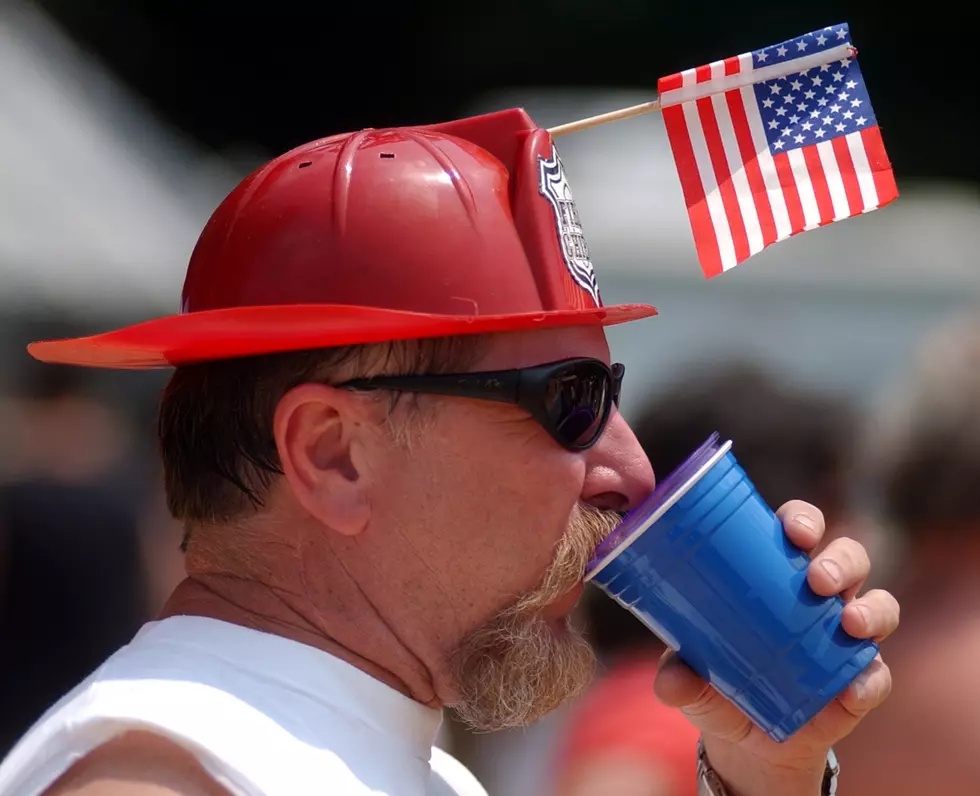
835, 183
740, 180
866, 181
712, 195
777, 201
691, 91
811, 213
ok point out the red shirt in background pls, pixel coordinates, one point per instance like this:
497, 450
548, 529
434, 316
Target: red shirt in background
621, 719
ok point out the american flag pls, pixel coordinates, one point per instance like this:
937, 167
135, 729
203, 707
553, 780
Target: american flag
774, 142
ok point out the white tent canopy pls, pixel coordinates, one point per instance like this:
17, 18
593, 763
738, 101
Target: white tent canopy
100, 206
633, 213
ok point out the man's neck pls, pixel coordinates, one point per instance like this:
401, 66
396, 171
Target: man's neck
257, 606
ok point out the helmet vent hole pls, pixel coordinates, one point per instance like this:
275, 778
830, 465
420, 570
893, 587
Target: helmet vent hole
386, 155
304, 164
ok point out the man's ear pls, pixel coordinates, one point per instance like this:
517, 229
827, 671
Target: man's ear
317, 429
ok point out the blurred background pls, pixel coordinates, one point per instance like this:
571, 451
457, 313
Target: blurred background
123, 123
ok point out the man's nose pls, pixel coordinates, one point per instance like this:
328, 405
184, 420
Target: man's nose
619, 474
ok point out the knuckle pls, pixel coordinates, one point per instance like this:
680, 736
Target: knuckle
890, 601
852, 552
883, 684
869, 689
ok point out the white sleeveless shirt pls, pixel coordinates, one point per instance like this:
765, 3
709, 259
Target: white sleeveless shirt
264, 716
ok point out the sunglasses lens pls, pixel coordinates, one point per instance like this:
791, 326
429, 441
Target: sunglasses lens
577, 401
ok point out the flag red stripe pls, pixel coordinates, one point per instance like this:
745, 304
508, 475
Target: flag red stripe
845, 163
723, 177
792, 196
746, 148
703, 73
881, 167
697, 207
732, 65
670, 82
818, 179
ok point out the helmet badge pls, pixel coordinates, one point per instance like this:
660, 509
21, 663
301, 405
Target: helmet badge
554, 187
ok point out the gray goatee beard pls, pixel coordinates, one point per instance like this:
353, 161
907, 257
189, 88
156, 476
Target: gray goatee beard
516, 668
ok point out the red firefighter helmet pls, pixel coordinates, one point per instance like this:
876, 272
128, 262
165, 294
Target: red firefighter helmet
379, 235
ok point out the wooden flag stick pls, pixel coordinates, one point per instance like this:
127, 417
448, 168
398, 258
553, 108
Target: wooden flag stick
602, 118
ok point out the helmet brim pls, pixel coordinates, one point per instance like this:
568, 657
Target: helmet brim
248, 331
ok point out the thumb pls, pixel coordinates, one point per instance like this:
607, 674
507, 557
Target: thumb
677, 685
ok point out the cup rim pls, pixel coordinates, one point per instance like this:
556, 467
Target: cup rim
666, 501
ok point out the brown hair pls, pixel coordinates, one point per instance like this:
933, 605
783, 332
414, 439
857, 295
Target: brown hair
215, 420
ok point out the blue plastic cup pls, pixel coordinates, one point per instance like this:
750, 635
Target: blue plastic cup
705, 564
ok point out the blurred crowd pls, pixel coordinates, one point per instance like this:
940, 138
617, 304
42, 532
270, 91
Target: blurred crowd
87, 553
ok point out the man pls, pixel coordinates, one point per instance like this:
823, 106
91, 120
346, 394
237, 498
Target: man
924, 465
392, 438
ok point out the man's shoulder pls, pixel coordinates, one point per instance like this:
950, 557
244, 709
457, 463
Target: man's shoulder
451, 777
141, 763
137, 763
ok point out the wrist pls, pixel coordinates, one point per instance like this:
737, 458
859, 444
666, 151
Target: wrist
739, 773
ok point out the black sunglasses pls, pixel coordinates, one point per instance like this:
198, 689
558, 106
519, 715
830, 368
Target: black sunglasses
572, 399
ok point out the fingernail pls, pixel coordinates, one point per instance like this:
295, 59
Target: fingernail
832, 568
865, 615
806, 521
860, 686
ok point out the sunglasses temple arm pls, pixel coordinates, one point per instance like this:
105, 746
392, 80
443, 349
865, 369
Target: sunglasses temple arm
489, 387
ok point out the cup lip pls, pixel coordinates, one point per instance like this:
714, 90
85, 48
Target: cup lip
667, 501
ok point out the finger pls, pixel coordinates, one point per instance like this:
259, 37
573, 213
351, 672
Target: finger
677, 685
804, 523
842, 568
868, 690
874, 615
